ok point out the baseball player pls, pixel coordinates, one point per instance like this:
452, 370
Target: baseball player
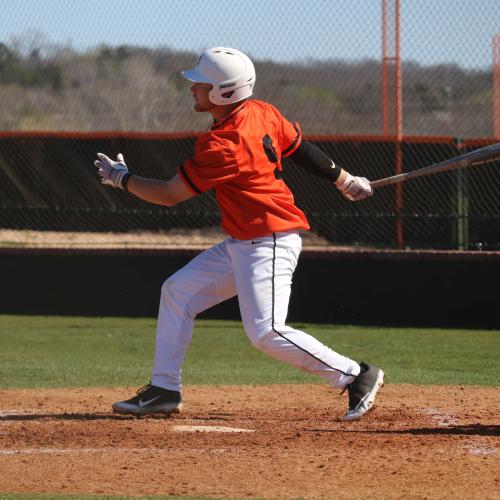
240, 158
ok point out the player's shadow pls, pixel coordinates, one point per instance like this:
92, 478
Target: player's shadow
72, 416
457, 430
19, 417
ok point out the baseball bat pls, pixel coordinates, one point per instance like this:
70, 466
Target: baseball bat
481, 155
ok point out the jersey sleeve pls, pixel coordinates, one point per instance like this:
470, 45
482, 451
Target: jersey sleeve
290, 134
214, 162
292, 137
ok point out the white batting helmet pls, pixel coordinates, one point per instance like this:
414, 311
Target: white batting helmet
228, 70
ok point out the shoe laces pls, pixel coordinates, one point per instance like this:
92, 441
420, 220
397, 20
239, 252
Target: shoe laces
144, 388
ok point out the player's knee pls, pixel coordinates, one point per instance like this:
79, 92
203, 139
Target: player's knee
167, 292
255, 329
262, 340
167, 289
171, 296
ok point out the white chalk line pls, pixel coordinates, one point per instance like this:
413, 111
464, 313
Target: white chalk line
208, 428
35, 451
76, 451
8, 413
444, 419
175, 428
480, 450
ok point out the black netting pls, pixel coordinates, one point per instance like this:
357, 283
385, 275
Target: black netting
357, 76
50, 184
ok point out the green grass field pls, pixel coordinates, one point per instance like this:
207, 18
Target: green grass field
82, 352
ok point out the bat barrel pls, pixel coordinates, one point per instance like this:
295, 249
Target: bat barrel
488, 153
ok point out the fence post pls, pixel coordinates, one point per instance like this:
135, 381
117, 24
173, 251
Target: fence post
496, 86
392, 98
462, 205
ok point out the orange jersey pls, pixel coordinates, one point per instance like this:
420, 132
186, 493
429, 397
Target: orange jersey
240, 158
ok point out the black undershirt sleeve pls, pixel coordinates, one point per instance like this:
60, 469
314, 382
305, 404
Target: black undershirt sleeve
311, 158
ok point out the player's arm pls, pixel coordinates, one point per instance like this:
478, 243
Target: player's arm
157, 191
311, 158
116, 174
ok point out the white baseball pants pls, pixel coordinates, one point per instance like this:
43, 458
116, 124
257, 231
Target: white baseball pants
260, 272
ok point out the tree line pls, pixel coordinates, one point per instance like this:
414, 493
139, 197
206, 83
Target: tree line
128, 88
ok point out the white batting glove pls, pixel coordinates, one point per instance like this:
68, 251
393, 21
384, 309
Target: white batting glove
355, 188
111, 172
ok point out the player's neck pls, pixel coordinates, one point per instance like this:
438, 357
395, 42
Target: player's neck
220, 112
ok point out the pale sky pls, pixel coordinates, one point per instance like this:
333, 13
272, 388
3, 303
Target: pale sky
433, 31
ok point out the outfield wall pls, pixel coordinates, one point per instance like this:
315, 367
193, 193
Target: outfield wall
452, 289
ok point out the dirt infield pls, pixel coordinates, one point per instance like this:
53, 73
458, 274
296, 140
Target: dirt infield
175, 238
273, 442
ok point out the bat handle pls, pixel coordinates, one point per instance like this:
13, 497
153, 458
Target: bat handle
389, 180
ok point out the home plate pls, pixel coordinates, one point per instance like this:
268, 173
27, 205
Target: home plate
207, 428
7, 413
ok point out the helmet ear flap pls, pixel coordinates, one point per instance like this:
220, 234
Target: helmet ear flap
213, 97
221, 99
229, 97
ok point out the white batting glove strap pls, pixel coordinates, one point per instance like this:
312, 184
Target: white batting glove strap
111, 172
355, 188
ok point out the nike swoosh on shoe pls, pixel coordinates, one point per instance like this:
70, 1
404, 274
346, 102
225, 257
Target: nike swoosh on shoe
142, 404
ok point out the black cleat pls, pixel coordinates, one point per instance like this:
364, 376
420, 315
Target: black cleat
363, 390
150, 400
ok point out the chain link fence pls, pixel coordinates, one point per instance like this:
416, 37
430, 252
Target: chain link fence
113, 83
